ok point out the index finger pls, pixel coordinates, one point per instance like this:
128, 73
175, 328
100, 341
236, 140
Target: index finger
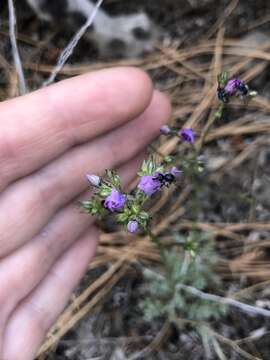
38, 127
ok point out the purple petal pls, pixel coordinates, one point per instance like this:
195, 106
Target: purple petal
232, 86
115, 201
176, 172
187, 135
165, 130
149, 185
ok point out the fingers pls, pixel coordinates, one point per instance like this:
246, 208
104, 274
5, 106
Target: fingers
34, 316
40, 126
36, 258
37, 198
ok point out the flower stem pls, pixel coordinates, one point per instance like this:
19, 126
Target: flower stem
217, 115
159, 244
154, 238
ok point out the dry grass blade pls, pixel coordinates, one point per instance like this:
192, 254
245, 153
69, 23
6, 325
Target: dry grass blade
75, 312
220, 22
155, 345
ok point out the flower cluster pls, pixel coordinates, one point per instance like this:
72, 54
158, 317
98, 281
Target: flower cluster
228, 88
185, 134
109, 197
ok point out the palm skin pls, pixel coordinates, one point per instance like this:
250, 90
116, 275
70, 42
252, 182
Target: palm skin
49, 140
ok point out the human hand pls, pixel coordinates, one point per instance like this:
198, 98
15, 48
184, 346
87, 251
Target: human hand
49, 140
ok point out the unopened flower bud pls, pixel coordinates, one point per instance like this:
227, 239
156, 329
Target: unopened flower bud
165, 130
253, 93
133, 226
94, 180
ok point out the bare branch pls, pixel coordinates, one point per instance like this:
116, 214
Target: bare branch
67, 52
254, 310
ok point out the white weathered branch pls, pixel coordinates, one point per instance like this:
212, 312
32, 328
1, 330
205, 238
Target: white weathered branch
68, 51
254, 310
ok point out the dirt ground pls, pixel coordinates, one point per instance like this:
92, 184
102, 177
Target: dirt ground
201, 38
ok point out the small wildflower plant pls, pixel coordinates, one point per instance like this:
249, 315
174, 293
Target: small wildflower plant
191, 260
234, 87
193, 266
109, 196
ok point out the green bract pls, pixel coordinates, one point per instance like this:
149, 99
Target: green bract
223, 78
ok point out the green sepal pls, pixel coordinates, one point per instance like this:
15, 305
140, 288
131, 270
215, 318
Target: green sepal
122, 218
144, 215
104, 192
168, 159
149, 167
93, 207
223, 78
114, 179
135, 209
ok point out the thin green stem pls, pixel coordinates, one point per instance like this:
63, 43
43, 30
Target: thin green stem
216, 116
155, 240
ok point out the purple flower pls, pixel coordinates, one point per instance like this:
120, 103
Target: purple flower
115, 201
165, 130
233, 85
176, 172
187, 135
149, 185
93, 179
133, 226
